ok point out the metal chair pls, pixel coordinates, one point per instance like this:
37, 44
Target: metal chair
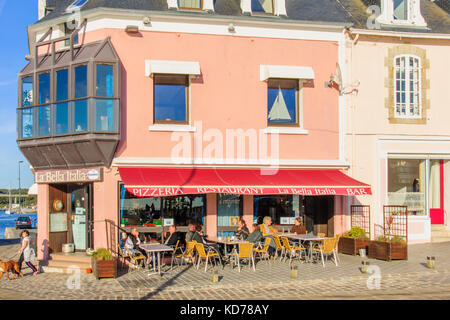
279, 246
264, 252
203, 254
245, 252
327, 248
292, 249
135, 259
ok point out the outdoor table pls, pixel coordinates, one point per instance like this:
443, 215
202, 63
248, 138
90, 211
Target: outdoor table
155, 248
304, 237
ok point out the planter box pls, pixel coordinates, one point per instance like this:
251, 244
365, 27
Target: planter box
388, 251
104, 268
352, 246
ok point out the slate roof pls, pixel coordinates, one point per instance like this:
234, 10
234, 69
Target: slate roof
337, 12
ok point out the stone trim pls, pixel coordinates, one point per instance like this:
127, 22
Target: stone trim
390, 85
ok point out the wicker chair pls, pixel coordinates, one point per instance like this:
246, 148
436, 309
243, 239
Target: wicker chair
245, 252
135, 259
264, 252
206, 255
327, 248
292, 249
279, 246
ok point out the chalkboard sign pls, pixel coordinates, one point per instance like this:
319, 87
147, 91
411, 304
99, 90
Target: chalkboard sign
58, 222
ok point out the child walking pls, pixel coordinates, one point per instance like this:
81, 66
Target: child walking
26, 252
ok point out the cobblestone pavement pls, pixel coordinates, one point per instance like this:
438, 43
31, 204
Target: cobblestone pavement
398, 280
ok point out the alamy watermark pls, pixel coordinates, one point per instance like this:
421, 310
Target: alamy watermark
74, 281
227, 147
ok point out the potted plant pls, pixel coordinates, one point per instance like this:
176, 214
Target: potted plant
104, 264
388, 248
352, 241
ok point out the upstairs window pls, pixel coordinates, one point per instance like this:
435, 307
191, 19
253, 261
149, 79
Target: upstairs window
282, 96
44, 88
27, 91
190, 4
407, 86
401, 9
170, 98
81, 81
62, 85
263, 6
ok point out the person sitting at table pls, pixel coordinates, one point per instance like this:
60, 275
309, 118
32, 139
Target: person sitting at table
255, 236
191, 232
172, 237
242, 231
266, 229
298, 228
132, 244
200, 238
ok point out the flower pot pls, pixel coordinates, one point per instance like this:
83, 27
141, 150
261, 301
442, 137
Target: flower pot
105, 268
388, 251
68, 248
351, 245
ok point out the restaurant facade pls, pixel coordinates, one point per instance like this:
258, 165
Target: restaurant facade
182, 112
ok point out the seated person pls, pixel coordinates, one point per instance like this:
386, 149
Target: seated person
190, 234
266, 229
298, 228
200, 238
242, 232
172, 237
255, 236
132, 244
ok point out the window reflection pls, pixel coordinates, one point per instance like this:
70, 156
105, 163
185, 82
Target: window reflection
170, 98
150, 212
44, 88
104, 80
104, 116
62, 118
27, 91
44, 121
80, 123
81, 81
275, 206
62, 78
27, 122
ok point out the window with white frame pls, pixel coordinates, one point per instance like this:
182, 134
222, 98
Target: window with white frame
407, 87
401, 12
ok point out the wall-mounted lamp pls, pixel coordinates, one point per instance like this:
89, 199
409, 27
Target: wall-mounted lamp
132, 29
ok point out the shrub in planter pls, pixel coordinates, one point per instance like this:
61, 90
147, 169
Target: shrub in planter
352, 241
104, 264
388, 248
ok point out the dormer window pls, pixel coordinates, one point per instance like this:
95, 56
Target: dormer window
77, 4
401, 12
264, 7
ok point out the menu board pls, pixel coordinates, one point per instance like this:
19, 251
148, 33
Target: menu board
58, 222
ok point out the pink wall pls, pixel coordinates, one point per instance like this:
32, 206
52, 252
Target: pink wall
229, 93
211, 214
42, 221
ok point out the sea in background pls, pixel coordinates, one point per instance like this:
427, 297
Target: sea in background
9, 220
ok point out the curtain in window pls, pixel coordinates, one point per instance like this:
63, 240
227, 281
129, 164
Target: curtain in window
194, 4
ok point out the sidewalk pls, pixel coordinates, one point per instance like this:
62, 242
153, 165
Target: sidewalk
399, 280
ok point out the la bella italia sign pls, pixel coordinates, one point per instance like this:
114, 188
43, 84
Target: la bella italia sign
73, 175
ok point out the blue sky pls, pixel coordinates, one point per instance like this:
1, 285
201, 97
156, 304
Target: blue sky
15, 16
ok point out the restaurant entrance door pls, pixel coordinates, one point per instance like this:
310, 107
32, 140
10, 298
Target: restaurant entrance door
319, 212
81, 215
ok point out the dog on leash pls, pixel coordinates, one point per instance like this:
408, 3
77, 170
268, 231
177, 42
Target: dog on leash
6, 267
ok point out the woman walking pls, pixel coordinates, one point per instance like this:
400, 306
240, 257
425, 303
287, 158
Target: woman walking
26, 252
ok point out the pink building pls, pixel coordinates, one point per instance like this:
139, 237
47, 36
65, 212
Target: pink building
178, 112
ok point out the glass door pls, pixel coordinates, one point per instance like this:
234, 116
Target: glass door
79, 217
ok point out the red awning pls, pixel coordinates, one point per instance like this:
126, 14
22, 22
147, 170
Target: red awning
157, 182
